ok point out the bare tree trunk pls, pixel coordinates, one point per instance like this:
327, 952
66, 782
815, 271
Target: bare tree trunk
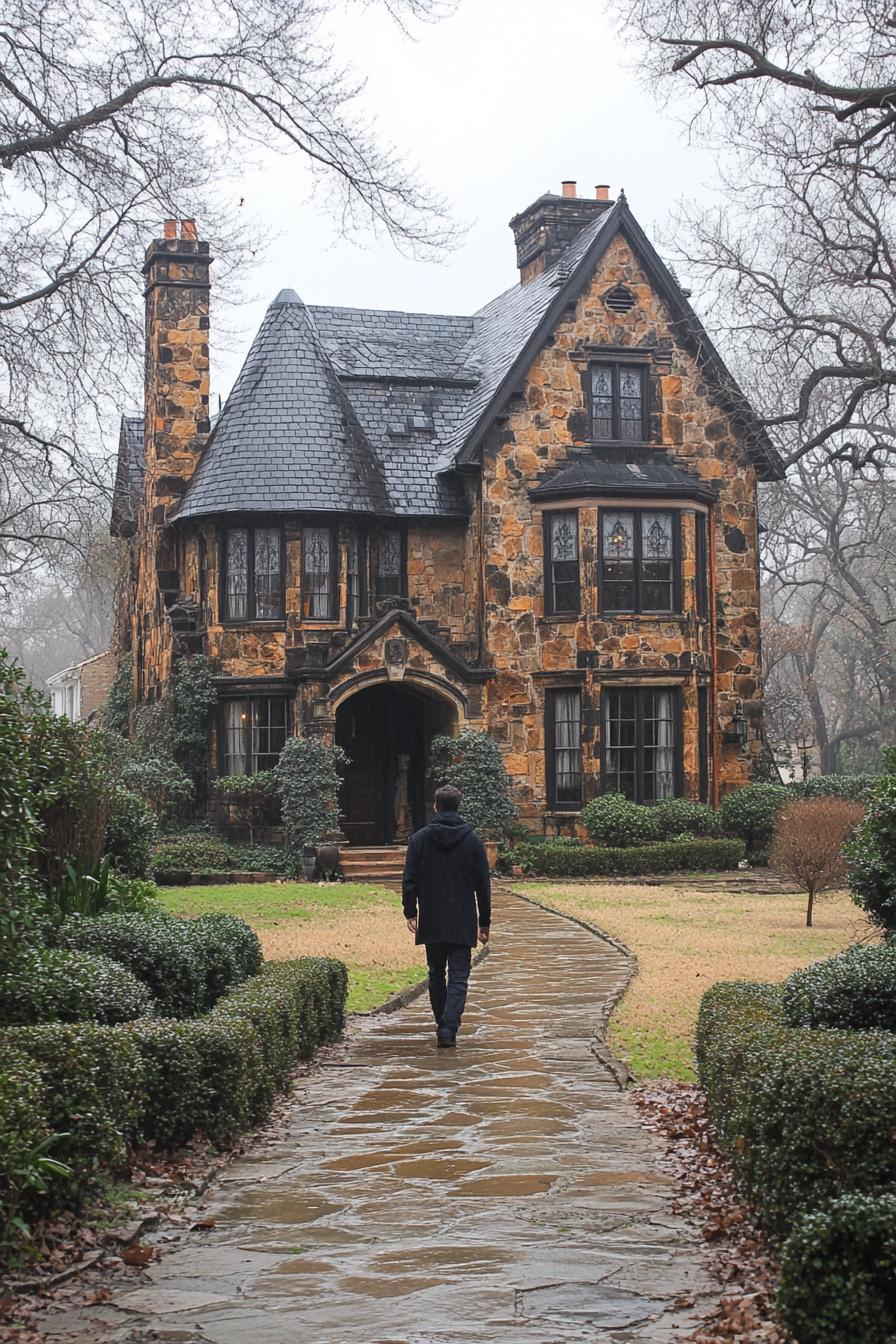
809, 908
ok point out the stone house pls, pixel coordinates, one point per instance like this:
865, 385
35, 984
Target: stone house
539, 520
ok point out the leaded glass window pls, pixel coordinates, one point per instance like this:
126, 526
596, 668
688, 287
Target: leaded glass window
318, 586
619, 402
641, 742
564, 739
387, 564
253, 564
562, 588
237, 562
354, 580
639, 560
254, 734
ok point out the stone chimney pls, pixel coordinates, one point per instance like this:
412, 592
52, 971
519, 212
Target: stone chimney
544, 231
177, 363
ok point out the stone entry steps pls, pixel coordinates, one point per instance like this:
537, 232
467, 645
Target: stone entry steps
376, 863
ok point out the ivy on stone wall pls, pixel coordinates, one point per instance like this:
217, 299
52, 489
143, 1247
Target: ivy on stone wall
309, 779
473, 763
193, 697
116, 712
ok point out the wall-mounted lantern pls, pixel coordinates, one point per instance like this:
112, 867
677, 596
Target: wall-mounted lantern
737, 728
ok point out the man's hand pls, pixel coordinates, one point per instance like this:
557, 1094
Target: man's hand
412, 925
484, 935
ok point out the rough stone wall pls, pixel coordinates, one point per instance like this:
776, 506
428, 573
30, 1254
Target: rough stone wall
547, 424
176, 428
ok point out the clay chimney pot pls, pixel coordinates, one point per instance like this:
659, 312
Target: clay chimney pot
569, 188
170, 228
188, 230
602, 192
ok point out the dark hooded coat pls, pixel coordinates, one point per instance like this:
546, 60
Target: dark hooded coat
446, 883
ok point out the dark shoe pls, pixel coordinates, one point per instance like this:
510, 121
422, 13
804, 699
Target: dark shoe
447, 1040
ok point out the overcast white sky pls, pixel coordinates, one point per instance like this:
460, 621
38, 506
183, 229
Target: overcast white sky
496, 104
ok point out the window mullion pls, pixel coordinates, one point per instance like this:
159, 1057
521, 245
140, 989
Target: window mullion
617, 406
250, 573
639, 746
636, 549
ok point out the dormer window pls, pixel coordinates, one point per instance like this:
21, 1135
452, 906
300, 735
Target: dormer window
618, 402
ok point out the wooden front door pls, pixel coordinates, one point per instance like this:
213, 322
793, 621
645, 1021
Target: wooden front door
374, 728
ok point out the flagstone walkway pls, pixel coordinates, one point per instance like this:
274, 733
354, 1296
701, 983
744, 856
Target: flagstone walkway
504, 1193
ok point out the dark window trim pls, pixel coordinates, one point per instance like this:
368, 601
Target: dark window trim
550, 747
403, 576
638, 609
614, 361
703, 743
250, 529
361, 536
333, 613
549, 607
678, 744
701, 564
249, 697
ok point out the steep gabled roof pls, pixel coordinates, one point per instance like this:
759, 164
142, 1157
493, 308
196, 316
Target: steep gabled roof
129, 473
514, 326
288, 438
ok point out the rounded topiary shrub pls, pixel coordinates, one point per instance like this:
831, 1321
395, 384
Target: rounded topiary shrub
871, 857
160, 950
616, 821
838, 1267
751, 813
230, 952
681, 816
130, 832
58, 985
854, 989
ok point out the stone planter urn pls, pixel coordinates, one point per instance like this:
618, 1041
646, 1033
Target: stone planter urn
309, 862
328, 858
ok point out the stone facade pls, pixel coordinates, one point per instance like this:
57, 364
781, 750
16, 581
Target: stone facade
470, 633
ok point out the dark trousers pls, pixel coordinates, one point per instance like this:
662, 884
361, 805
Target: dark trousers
448, 999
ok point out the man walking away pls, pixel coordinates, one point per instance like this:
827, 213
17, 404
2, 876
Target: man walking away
447, 899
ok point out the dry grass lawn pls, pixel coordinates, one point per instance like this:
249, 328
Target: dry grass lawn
359, 923
687, 938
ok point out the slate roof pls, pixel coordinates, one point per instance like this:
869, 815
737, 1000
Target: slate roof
595, 475
372, 412
128, 489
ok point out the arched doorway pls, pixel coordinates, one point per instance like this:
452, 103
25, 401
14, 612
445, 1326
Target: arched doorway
385, 730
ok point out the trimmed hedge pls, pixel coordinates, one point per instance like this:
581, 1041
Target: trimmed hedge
157, 948
193, 854
24, 1132
665, 856
54, 985
855, 989
750, 813
838, 1268
187, 963
92, 1083
101, 1089
676, 817
807, 1114
130, 832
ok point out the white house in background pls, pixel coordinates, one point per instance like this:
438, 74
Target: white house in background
80, 690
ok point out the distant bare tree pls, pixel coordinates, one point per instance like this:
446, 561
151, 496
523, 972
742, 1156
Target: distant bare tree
115, 114
799, 264
829, 554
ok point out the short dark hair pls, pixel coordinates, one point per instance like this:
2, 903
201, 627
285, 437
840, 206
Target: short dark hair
447, 798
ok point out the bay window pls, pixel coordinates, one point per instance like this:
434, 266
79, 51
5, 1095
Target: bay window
639, 560
253, 574
562, 563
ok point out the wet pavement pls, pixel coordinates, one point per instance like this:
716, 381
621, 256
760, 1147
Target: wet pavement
501, 1193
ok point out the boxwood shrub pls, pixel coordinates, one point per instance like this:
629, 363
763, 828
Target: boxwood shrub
750, 813
201, 853
92, 1079
157, 948
56, 985
855, 989
666, 856
676, 817
23, 1133
808, 1114
230, 950
838, 1268
615, 820
130, 832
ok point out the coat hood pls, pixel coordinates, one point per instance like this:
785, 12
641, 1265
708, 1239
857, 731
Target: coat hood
447, 829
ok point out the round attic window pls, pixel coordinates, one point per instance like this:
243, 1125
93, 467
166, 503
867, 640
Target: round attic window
620, 299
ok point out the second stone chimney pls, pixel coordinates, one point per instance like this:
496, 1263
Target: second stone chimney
177, 361
545, 229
